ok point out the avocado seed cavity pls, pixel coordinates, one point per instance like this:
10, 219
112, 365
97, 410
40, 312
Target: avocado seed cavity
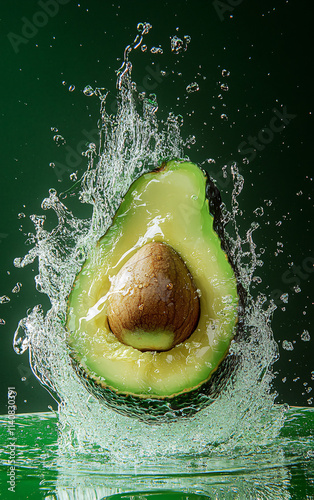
153, 304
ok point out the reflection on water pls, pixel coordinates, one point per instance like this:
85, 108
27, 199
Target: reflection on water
283, 469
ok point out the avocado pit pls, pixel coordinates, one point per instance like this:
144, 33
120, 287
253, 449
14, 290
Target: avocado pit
153, 303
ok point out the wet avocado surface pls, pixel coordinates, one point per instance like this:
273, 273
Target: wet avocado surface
168, 206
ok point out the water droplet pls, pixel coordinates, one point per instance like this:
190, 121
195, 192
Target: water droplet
59, 140
144, 28
257, 279
284, 298
143, 48
178, 45
225, 73
52, 165
192, 87
190, 140
305, 336
21, 340
17, 288
258, 211
163, 73
245, 161
211, 161
141, 307
4, 299
21, 215
288, 346
297, 289
156, 50
71, 88
224, 117
73, 177
2, 322
170, 286
224, 87
64, 82
284, 379
312, 375
88, 91
23, 379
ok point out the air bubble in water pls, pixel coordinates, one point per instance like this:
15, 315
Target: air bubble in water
224, 87
297, 289
305, 336
71, 88
2, 322
192, 87
144, 48
288, 346
21, 215
224, 117
4, 299
225, 73
59, 140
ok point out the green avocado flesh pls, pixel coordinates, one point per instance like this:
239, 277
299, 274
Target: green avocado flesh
168, 205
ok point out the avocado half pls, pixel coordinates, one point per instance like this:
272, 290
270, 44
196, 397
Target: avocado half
172, 205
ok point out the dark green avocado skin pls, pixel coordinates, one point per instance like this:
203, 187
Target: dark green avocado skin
185, 405
158, 411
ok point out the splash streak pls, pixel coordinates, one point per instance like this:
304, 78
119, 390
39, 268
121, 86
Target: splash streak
134, 142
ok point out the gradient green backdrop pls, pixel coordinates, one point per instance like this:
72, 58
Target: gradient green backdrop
265, 46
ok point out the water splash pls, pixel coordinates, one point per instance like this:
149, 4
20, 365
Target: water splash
132, 142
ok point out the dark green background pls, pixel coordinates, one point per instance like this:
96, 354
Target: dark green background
265, 46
